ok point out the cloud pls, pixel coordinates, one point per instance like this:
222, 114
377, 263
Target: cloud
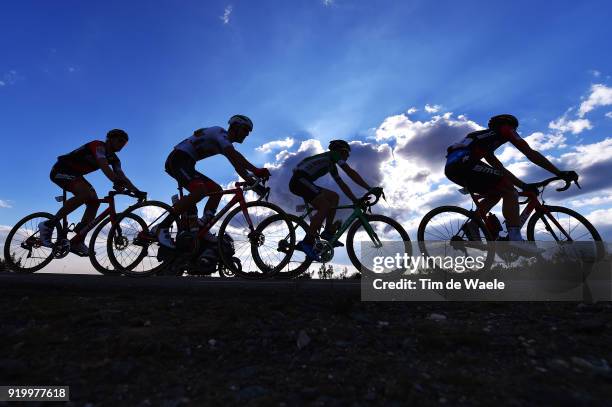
563, 124
538, 141
226, 14
275, 145
609, 115
432, 108
5, 204
595, 73
328, 3
412, 110
9, 78
601, 95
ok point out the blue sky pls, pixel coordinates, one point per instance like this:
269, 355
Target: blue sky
71, 70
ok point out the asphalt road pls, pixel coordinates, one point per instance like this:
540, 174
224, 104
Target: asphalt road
169, 284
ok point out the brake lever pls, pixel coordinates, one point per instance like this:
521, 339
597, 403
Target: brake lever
565, 187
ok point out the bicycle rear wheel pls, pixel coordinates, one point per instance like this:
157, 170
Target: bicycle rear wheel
456, 232
298, 263
23, 252
390, 238
255, 254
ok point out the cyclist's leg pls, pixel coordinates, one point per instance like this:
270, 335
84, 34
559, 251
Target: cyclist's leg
317, 197
79, 187
87, 193
181, 167
495, 184
332, 199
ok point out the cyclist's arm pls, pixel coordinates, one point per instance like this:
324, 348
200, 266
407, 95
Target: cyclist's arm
123, 178
531, 154
345, 188
354, 175
495, 163
240, 164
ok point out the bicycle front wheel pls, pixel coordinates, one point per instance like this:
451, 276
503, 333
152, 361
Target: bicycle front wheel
382, 236
255, 254
23, 252
559, 224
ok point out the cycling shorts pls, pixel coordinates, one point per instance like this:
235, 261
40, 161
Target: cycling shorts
300, 185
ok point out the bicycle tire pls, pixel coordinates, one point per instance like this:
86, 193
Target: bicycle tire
16, 266
531, 225
265, 270
350, 243
287, 272
461, 211
92, 252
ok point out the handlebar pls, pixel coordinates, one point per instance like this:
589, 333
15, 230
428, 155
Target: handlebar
366, 202
258, 186
544, 183
140, 195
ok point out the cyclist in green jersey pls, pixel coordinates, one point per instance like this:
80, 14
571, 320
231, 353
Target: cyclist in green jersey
323, 200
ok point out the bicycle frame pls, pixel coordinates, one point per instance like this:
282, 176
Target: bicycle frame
358, 213
533, 204
237, 198
109, 211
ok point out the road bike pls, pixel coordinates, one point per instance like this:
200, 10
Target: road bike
242, 248
473, 230
377, 235
23, 249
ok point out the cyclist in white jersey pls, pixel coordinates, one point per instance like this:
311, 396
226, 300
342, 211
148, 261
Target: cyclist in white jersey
205, 143
323, 200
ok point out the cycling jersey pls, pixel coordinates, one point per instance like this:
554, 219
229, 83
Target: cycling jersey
208, 142
318, 165
84, 159
480, 143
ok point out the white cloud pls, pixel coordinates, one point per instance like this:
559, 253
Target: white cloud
5, 204
595, 73
9, 78
276, 145
226, 14
412, 110
328, 3
601, 198
609, 115
563, 124
601, 95
432, 109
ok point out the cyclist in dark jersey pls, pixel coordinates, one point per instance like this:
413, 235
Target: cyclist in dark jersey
68, 173
464, 166
205, 143
323, 200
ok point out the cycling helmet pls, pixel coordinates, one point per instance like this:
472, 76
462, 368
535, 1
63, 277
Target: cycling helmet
498, 120
241, 120
117, 133
339, 145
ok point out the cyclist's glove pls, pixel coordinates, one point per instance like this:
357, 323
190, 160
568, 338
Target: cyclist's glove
261, 172
119, 185
140, 194
569, 176
376, 191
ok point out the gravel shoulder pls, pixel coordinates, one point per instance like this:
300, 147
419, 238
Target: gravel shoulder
290, 345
